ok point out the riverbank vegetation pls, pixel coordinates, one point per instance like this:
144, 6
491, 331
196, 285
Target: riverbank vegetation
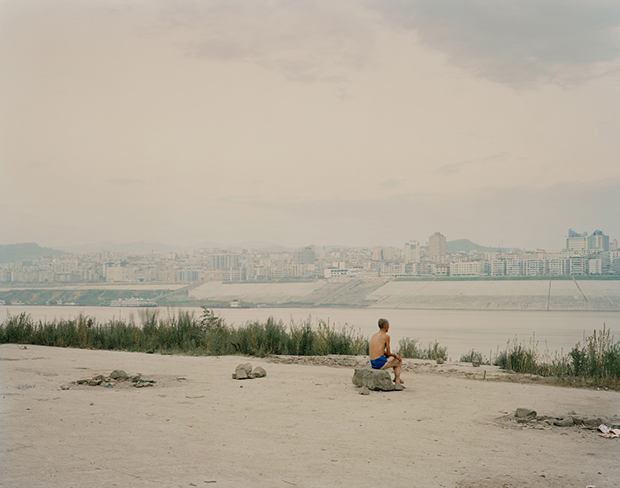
184, 333
595, 361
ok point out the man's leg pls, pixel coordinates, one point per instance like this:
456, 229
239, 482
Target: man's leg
392, 362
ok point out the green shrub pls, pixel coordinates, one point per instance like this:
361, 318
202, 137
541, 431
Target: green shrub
409, 348
472, 356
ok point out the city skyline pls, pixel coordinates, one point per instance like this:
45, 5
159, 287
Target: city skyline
584, 254
142, 246
333, 123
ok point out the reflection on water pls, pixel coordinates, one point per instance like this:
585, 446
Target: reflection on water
459, 330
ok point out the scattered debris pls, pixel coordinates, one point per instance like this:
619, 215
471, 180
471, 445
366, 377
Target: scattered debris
116, 378
528, 418
607, 432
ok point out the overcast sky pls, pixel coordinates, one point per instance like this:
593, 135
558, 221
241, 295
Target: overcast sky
308, 122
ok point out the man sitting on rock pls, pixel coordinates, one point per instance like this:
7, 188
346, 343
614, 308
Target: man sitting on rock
380, 355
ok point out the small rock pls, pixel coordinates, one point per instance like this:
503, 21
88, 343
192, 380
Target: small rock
241, 374
234, 376
565, 422
82, 382
439, 361
364, 391
259, 372
247, 367
94, 382
525, 413
118, 374
64, 387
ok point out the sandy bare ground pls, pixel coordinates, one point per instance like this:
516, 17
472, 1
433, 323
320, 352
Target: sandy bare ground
303, 425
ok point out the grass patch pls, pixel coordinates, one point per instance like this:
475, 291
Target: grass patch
185, 333
593, 362
410, 348
472, 356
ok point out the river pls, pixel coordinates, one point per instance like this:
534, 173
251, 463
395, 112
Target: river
460, 331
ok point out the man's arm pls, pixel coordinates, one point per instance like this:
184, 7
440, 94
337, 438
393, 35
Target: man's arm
389, 353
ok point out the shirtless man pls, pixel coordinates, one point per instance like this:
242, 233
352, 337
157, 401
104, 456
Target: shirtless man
380, 355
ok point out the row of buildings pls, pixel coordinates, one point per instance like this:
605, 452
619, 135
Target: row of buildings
584, 254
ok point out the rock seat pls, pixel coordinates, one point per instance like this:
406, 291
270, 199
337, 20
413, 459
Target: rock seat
374, 379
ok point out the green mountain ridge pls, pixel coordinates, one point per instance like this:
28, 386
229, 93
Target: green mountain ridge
465, 245
26, 250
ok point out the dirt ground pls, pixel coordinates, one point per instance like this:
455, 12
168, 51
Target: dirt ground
305, 424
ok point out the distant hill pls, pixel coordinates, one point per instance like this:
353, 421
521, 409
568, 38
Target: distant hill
137, 247
26, 250
465, 245
263, 246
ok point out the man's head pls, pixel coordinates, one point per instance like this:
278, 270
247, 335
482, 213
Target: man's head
383, 323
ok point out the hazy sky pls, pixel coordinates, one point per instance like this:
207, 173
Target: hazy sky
308, 122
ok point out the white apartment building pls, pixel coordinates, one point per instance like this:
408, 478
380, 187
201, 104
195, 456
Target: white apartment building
595, 266
395, 270
559, 266
442, 269
471, 268
497, 267
515, 267
535, 267
578, 266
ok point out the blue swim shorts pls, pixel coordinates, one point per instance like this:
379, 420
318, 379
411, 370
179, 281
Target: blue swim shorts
378, 363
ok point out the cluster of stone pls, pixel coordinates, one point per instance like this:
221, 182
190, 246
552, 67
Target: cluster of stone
528, 416
117, 376
368, 379
245, 372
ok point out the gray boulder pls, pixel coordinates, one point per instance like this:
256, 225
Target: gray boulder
247, 367
374, 379
118, 374
259, 372
241, 374
566, 422
523, 413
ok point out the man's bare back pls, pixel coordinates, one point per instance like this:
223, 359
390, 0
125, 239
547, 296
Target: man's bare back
381, 357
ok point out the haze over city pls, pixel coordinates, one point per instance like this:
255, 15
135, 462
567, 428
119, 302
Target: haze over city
352, 123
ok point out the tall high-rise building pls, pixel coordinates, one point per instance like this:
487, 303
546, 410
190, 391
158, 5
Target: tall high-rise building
598, 241
224, 261
412, 252
436, 246
304, 255
576, 241
585, 243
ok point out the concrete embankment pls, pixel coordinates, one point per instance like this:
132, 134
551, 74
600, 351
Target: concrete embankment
538, 295
543, 295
